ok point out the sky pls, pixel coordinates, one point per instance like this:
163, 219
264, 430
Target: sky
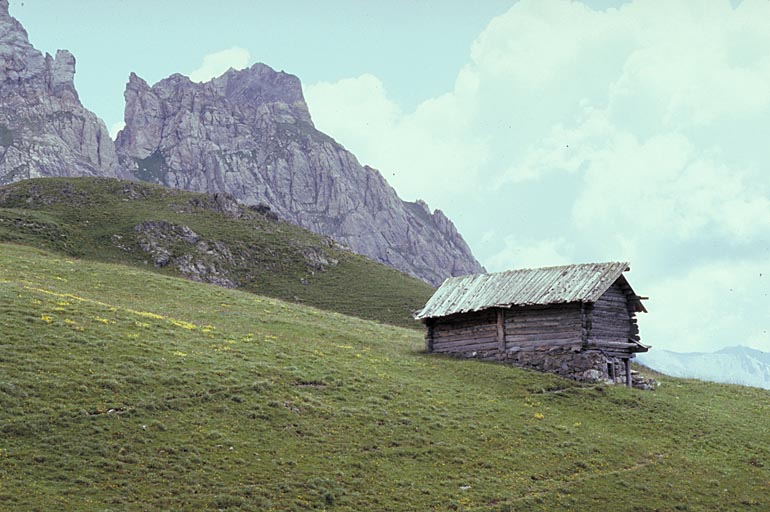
549, 131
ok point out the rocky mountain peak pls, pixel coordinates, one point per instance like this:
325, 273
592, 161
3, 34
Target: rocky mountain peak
260, 84
249, 133
44, 129
18, 59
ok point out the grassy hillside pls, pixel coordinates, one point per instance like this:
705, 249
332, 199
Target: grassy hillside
140, 224
122, 389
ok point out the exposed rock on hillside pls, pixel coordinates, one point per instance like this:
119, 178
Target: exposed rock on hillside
249, 133
44, 129
205, 260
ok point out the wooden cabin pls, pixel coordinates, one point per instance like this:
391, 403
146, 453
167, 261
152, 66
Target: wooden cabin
578, 321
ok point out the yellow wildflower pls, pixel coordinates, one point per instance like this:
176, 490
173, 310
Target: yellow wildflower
182, 324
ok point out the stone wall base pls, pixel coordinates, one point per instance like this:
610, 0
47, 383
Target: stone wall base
580, 365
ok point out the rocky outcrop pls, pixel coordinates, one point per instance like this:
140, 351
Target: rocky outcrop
249, 133
44, 129
187, 252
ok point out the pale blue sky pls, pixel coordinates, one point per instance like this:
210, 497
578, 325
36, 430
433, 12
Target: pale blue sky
550, 131
415, 47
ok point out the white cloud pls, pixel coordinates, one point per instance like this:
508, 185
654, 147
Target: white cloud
647, 122
215, 64
528, 253
423, 154
711, 306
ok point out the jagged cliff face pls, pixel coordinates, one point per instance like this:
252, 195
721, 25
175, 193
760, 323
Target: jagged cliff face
249, 133
44, 129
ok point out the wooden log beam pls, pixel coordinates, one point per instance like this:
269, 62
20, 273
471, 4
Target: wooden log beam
467, 348
512, 340
544, 329
449, 335
491, 335
464, 343
501, 329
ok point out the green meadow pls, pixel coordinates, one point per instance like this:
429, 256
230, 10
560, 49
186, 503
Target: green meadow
125, 389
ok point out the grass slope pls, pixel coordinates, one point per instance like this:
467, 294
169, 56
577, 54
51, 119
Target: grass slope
94, 218
122, 389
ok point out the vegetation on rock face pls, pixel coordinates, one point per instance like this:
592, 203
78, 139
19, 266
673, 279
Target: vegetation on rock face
151, 169
206, 238
126, 389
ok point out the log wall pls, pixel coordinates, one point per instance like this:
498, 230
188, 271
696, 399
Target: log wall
543, 327
586, 342
467, 332
611, 323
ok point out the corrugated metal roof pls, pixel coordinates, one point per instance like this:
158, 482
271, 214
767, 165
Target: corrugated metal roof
524, 287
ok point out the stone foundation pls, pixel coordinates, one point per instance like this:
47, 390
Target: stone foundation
580, 365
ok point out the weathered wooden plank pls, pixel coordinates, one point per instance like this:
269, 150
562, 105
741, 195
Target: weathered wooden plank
491, 345
535, 329
462, 317
608, 335
461, 340
603, 329
468, 317
599, 315
461, 337
540, 310
543, 323
620, 309
577, 331
516, 340
609, 332
611, 303
465, 327
532, 346
466, 332
543, 316
500, 329
462, 325
611, 316
611, 321
612, 308
550, 307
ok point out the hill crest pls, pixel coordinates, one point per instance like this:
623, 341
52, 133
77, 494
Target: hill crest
204, 237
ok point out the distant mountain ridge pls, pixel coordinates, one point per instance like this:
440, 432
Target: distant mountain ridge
249, 133
246, 133
731, 365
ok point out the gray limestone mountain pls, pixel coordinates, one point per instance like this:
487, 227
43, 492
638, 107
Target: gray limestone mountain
44, 129
249, 133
